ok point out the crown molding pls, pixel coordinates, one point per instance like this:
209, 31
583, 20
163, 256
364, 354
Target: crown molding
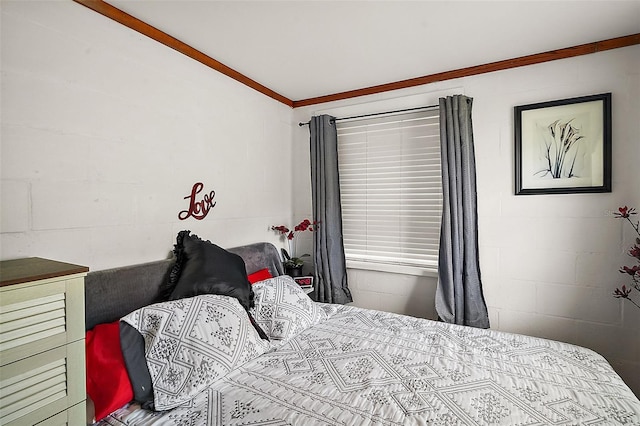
552, 55
142, 27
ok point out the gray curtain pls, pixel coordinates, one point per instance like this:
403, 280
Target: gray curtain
459, 298
328, 249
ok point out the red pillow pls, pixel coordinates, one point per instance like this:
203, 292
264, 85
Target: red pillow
260, 275
108, 383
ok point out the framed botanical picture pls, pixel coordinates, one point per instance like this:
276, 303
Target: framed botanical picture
563, 146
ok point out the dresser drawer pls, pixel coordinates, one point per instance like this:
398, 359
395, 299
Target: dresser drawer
40, 386
73, 416
40, 315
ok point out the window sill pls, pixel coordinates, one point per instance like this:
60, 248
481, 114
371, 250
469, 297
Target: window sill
394, 269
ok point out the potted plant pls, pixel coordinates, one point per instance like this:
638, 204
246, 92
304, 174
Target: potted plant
293, 264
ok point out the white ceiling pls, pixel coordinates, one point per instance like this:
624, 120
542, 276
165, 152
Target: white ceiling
303, 49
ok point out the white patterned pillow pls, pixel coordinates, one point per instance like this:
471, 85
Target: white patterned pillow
191, 343
283, 309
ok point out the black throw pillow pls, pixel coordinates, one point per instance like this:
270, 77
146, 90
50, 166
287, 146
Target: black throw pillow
204, 268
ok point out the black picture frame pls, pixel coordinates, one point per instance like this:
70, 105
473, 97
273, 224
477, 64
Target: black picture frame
563, 146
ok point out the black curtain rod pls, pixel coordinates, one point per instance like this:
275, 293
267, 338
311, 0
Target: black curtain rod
376, 113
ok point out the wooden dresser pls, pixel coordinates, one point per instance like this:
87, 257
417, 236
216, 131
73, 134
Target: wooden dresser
42, 367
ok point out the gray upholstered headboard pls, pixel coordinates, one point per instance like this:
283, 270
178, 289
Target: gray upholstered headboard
113, 293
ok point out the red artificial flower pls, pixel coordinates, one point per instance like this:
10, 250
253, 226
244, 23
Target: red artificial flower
635, 252
281, 229
631, 271
302, 226
623, 292
625, 212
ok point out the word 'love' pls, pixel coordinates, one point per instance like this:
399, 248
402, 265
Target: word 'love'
198, 209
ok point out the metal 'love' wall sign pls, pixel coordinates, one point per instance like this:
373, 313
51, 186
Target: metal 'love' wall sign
198, 209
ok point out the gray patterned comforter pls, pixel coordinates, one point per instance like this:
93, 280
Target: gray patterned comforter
364, 367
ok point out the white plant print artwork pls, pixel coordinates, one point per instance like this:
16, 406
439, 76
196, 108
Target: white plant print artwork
561, 147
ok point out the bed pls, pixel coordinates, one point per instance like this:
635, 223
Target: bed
337, 365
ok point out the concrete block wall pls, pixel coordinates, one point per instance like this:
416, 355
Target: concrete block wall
104, 133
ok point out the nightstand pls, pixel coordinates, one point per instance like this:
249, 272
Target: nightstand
42, 362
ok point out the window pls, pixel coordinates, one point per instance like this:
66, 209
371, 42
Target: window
391, 189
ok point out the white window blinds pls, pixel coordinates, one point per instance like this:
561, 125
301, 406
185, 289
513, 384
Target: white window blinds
391, 188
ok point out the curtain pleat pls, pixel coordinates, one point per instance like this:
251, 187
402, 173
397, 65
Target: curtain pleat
459, 296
